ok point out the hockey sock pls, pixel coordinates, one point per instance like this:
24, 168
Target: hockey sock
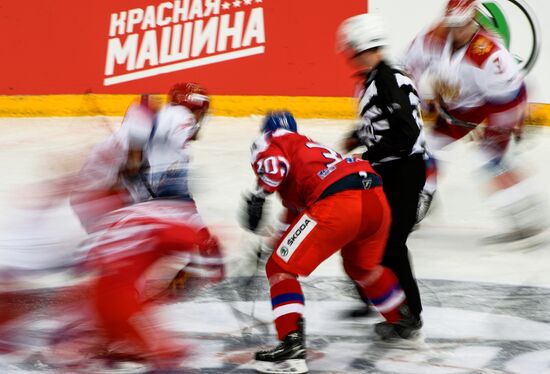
287, 299
431, 175
382, 288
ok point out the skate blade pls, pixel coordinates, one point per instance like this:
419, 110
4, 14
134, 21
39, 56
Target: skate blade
515, 241
295, 366
416, 342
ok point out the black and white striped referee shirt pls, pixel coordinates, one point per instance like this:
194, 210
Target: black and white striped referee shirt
390, 120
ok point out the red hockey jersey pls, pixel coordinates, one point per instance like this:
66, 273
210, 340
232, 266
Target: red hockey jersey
298, 168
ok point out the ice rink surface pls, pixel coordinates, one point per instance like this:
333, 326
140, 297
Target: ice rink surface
487, 307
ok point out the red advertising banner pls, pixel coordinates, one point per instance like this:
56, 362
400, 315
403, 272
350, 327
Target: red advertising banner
233, 47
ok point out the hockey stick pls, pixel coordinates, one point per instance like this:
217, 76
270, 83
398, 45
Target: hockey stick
477, 129
245, 289
251, 279
451, 120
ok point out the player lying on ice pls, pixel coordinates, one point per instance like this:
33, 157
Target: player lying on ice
333, 204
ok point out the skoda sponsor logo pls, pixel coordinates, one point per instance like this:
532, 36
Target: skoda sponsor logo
295, 236
515, 22
284, 251
297, 233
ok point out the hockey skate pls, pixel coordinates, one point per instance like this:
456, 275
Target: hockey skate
424, 204
527, 220
288, 357
406, 329
517, 235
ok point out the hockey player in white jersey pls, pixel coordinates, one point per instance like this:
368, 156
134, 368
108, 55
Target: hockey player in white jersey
166, 156
167, 150
148, 157
109, 178
476, 80
156, 218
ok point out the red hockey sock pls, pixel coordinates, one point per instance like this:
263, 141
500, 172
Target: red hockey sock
382, 288
287, 299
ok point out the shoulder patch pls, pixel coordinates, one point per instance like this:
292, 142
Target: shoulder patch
481, 48
436, 37
259, 145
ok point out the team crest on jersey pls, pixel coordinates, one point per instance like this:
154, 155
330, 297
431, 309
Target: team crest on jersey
482, 46
295, 237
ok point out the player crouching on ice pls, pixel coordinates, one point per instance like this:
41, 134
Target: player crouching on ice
333, 203
135, 241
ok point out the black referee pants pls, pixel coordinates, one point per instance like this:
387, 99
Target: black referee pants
402, 182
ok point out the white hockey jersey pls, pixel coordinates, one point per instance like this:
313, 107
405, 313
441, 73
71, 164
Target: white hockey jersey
101, 186
480, 72
167, 152
108, 158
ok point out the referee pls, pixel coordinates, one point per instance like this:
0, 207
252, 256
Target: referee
390, 126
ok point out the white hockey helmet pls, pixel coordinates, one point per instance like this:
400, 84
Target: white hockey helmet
459, 12
362, 32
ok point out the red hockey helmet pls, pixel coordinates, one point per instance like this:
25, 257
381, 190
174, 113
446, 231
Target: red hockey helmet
190, 95
459, 12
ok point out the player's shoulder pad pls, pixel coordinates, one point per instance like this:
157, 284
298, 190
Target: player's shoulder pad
259, 145
482, 46
436, 37
279, 139
174, 110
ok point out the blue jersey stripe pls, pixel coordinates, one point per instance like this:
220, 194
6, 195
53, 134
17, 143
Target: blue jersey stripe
386, 296
286, 297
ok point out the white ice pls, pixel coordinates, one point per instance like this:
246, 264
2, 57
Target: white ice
446, 247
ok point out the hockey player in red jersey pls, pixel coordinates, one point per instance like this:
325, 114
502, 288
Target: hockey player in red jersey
334, 203
147, 157
476, 80
145, 163
129, 244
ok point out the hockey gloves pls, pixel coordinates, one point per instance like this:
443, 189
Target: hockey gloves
253, 212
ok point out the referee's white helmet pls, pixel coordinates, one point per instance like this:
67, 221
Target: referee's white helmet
362, 32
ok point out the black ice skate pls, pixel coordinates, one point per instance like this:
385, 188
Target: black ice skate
288, 357
424, 203
407, 328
